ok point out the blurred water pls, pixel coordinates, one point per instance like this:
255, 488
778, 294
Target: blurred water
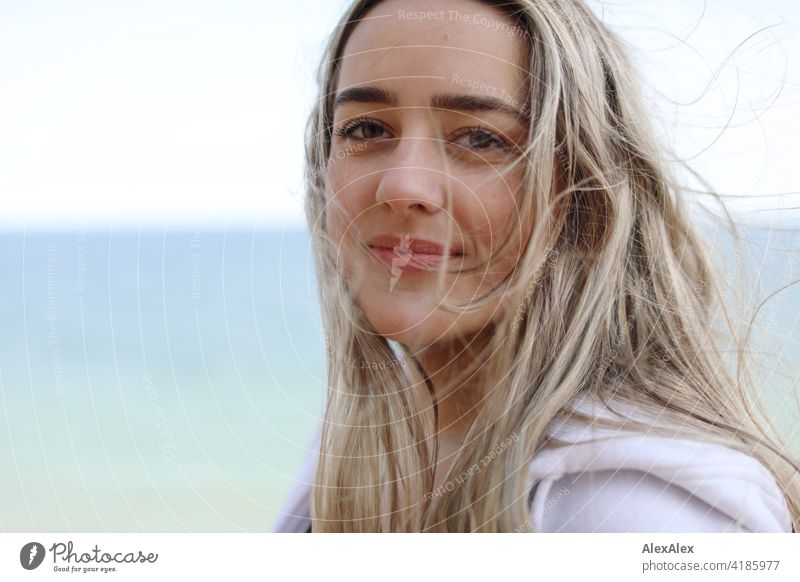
155, 381
169, 380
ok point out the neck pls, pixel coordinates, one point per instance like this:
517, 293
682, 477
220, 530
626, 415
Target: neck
459, 395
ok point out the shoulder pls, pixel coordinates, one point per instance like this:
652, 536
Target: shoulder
610, 480
626, 500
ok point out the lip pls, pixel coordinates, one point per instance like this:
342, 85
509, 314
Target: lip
410, 254
414, 244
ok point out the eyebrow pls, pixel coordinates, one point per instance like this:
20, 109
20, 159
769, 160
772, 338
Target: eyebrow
456, 102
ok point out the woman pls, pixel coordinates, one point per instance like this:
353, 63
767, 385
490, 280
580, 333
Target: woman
517, 307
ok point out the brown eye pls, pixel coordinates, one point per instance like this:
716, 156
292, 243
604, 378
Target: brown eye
476, 138
480, 145
361, 129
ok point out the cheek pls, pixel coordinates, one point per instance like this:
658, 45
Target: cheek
348, 195
339, 207
493, 212
349, 198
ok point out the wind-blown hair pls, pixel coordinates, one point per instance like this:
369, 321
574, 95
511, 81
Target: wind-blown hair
614, 297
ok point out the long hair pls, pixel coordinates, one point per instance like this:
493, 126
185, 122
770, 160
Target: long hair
613, 296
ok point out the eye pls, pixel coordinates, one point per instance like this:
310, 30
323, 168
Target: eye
480, 139
360, 128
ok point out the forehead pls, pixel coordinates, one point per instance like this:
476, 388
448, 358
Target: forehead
417, 43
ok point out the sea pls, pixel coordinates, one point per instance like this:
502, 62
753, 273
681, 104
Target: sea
170, 379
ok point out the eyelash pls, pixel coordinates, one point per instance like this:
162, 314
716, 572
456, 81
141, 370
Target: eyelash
347, 129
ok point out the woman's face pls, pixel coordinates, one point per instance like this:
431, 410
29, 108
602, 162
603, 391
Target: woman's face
430, 104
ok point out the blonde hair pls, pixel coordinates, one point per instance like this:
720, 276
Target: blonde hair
633, 321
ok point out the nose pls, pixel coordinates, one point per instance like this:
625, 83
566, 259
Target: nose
414, 179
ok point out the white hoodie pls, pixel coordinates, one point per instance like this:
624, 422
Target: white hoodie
608, 480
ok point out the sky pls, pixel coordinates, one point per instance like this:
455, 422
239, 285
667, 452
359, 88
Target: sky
165, 112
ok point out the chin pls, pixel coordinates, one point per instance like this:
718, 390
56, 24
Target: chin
410, 314
398, 324
405, 320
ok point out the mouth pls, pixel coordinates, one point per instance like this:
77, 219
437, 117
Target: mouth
410, 262
411, 255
